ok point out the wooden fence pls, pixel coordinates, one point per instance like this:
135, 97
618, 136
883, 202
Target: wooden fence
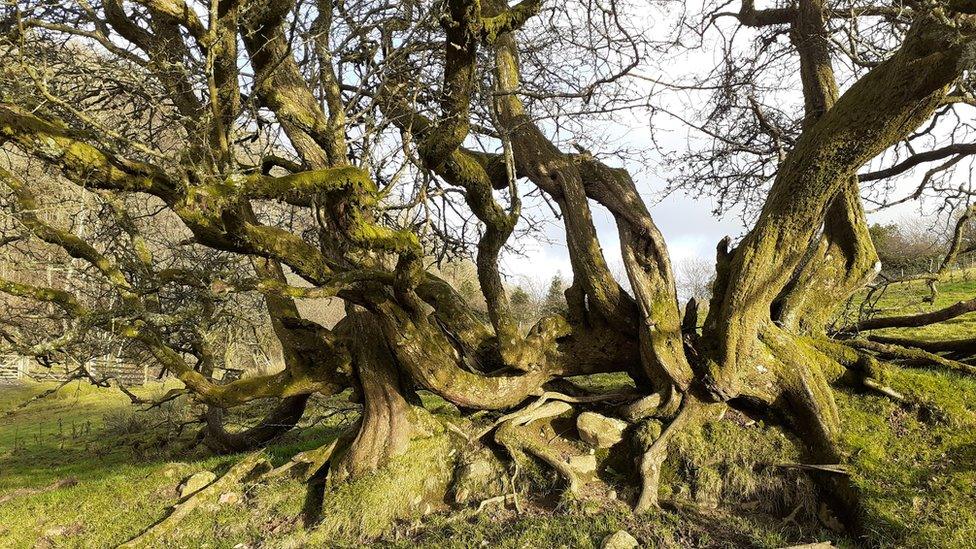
14, 368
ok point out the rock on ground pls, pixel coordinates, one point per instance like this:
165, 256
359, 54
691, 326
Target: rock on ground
598, 430
229, 498
196, 482
584, 466
619, 540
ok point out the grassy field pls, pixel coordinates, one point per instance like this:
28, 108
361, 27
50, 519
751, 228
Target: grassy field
917, 471
82, 468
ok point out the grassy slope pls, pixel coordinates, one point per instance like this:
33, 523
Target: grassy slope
917, 472
115, 494
127, 470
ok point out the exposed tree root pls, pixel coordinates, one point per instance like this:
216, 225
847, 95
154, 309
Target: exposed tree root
656, 451
513, 434
527, 414
405, 486
23, 492
914, 321
281, 419
917, 355
884, 390
307, 464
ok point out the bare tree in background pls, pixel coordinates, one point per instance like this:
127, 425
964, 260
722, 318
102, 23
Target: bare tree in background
695, 277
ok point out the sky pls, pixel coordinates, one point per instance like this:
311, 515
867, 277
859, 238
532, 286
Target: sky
687, 223
688, 226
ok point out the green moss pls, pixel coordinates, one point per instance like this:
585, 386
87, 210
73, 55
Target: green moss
583, 527
743, 455
410, 485
916, 470
604, 383
509, 20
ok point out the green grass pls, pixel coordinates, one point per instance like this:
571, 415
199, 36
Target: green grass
906, 299
64, 436
127, 467
916, 471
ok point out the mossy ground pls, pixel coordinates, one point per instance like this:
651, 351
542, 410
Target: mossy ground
724, 483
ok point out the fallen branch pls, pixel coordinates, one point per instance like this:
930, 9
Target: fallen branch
904, 351
306, 464
883, 390
945, 346
914, 321
837, 469
505, 499
550, 395
252, 465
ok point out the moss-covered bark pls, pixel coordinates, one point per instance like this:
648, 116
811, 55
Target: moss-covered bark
877, 111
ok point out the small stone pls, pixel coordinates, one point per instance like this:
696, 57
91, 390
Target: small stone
174, 469
55, 532
480, 477
619, 540
196, 482
584, 466
599, 430
647, 432
64, 531
229, 498
480, 469
828, 519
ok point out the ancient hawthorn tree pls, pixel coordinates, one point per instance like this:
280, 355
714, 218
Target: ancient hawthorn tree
297, 149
